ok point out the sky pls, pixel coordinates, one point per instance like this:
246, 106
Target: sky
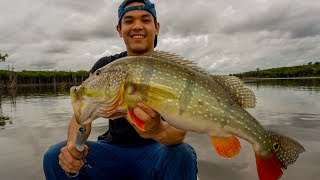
222, 36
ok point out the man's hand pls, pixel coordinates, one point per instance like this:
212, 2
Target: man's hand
155, 127
70, 158
152, 120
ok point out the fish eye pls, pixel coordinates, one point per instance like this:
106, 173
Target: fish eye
98, 72
276, 146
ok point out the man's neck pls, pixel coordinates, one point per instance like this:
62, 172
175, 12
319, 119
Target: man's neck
130, 53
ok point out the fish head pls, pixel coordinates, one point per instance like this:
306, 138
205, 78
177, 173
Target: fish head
99, 95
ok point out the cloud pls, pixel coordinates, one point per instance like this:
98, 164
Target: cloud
80, 6
223, 36
290, 17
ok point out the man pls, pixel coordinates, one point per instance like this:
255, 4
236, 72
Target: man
125, 152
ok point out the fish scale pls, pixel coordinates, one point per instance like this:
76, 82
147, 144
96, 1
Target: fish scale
188, 98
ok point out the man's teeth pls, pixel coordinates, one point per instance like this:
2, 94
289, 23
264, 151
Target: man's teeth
137, 36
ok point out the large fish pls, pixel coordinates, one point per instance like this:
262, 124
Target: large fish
188, 98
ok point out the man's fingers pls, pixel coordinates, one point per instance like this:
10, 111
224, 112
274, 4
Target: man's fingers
141, 114
68, 162
66, 168
149, 111
73, 161
74, 152
67, 157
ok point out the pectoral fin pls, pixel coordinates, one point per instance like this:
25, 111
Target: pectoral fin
226, 147
135, 120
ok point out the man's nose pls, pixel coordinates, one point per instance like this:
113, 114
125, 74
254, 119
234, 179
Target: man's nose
137, 26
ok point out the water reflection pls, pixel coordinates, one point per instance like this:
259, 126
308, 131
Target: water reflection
4, 119
287, 102
37, 117
280, 101
35, 91
289, 118
8, 98
306, 120
301, 84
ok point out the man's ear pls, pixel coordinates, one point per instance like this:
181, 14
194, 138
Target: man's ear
119, 30
157, 28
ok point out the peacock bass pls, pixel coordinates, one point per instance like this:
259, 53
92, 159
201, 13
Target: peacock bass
188, 98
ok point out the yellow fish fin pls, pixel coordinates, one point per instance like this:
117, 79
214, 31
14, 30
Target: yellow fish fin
234, 87
135, 120
226, 147
179, 60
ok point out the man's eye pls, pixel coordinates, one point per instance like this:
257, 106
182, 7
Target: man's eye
127, 21
146, 20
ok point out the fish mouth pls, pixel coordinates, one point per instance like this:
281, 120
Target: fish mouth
82, 111
86, 115
87, 109
80, 118
83, 119
75, 102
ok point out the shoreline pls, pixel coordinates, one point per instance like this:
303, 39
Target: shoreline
313, 77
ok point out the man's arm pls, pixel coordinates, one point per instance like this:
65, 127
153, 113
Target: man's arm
70, 158
73, 129
156, 128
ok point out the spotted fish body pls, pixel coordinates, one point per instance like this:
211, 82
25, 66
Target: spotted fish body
188, 98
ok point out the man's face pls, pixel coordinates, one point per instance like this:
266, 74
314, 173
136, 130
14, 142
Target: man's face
138, 30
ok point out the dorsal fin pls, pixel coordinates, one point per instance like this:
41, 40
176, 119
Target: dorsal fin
179, 60
231, 84
244, 96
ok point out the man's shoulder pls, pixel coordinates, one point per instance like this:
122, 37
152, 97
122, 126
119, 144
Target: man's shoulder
106, 60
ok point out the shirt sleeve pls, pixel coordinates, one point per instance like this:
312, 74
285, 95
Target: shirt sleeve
106, 60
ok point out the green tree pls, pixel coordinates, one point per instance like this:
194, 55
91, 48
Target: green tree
3, 57
258, 72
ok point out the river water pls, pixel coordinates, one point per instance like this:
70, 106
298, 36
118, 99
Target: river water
33, 119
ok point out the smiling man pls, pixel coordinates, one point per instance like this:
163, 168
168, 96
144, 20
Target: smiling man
125, 152
138, 28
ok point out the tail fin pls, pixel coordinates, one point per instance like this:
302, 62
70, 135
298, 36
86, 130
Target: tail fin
269, 168
287, 150
284, 152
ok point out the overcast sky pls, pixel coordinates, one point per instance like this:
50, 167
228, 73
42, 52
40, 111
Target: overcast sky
223, 36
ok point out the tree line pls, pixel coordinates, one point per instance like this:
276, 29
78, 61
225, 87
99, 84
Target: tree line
41, 77
3, 57
306, 70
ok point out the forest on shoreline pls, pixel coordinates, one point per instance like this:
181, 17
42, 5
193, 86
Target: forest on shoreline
12, 79
306, 70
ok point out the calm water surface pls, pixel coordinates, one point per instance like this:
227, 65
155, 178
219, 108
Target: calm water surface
33, 119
